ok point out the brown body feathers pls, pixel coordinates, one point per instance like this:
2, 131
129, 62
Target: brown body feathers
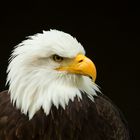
81, 120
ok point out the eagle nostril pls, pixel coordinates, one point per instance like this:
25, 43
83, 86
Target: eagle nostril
80, 61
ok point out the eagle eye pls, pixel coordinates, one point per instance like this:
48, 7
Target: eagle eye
57, 58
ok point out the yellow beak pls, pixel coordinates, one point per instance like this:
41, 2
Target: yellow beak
81, 65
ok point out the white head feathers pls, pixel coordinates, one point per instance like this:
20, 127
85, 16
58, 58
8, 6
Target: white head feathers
33, 80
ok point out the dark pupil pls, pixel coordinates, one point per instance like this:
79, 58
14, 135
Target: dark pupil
58, 58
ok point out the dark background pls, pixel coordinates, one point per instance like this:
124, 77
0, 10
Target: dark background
108, 30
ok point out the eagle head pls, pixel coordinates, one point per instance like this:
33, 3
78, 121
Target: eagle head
49, 68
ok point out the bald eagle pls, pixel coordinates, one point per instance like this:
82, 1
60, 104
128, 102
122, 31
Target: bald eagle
52, 94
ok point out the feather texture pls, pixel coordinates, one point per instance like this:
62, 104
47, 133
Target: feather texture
81, 120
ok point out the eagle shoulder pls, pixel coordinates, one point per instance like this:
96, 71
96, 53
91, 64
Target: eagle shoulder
82, 119
111, 119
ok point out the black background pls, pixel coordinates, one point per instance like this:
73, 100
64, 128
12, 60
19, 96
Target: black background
109, 32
